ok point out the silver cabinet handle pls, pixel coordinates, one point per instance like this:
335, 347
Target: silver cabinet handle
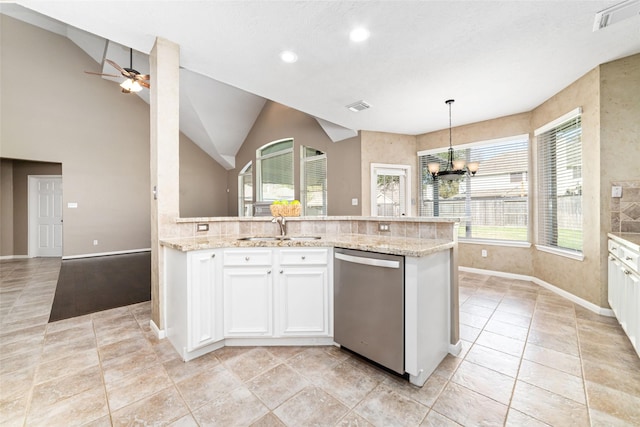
281, 271
246, 258
269, 272
628, 258
303, 257
627, 272
613, 248
213, 255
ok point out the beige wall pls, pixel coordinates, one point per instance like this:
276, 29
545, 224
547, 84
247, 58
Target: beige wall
277, 122
610, 98
388, 148
203, 183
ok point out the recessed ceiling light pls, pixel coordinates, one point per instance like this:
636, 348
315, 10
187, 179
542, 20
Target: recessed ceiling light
288, 56
359, 34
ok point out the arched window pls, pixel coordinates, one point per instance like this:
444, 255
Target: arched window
274, 171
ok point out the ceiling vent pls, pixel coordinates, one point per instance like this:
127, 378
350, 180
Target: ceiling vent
614, 14
358, 106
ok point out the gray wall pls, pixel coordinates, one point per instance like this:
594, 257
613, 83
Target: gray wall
277, 122
53, 112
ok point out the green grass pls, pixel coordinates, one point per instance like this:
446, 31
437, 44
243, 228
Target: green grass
567, 238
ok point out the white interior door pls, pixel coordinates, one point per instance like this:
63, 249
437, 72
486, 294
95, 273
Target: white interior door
45, 216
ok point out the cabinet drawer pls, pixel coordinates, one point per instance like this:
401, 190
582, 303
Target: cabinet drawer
629, 257
247, 257
304, 256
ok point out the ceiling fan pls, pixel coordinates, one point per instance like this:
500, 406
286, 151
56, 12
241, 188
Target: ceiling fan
134, 80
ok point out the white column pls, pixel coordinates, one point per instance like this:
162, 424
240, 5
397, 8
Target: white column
165, 133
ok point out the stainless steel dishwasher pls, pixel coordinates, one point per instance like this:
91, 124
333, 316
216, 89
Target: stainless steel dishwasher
369, 305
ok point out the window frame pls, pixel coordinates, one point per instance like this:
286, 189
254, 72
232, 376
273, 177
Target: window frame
260, 158
520, 138
303, 185
551, 126
396, 170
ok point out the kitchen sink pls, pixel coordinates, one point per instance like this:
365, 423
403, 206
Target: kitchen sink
302, 238
259, 239
272, 239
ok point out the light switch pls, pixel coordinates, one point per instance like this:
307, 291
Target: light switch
354, 202
616, 191
72, 205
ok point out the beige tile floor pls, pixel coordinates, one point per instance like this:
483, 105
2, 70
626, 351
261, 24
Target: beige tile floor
529, 358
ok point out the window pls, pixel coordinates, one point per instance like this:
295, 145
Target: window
274, 171
559, 157
245, 191
313, 191
494, 201
390, 190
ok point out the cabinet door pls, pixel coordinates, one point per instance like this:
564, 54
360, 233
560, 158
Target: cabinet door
248, 302
303, 301
204, 299
631, 320
615, 284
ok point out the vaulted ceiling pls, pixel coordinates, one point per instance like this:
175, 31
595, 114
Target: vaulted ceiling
495, 58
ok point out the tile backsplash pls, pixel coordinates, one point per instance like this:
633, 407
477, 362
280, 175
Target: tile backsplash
625, 210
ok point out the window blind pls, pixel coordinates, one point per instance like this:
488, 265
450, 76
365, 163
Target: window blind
494, 202
559, 200
275, 172
313, 192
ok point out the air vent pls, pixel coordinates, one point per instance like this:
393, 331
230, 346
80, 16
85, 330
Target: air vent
358, 106
614, 14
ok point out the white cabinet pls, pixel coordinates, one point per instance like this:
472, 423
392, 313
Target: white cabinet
303, 293
277, 292
624, 289
194, 287
248, 293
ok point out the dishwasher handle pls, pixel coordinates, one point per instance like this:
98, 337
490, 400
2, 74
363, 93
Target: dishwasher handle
368, 261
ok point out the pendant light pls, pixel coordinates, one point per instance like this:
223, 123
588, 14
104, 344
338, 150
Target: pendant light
455, 169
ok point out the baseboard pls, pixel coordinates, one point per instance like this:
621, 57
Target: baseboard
567, 295
159, 333
3, 257
455, 349
128, 251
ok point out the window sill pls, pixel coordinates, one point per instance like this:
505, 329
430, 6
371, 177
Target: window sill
489, 242
578, 256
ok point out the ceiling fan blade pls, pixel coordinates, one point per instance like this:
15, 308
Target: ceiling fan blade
143, 77
145, 84
119, 68
102, 74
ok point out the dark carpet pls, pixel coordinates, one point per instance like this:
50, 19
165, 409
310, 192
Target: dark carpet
88, 285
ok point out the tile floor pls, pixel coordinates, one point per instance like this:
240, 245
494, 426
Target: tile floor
529, 358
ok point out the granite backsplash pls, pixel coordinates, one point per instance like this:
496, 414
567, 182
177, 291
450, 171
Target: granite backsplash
625, 210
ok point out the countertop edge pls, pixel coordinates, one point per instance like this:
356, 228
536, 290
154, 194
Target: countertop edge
394, 246
630, 239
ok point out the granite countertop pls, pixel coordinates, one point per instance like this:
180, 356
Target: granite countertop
630, 239
407, 246
321, 218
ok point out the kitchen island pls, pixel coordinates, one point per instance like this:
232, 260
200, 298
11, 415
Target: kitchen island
245, 289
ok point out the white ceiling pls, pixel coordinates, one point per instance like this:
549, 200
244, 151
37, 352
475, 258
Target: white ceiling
495, 58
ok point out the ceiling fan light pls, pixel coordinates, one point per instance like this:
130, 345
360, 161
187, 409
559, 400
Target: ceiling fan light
131, 85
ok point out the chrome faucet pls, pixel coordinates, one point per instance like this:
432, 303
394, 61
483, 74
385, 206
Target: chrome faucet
282, 223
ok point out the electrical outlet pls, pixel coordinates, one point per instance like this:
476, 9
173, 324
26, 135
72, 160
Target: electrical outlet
616, 191
384, 226
95, 243
203, 227
484, 253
